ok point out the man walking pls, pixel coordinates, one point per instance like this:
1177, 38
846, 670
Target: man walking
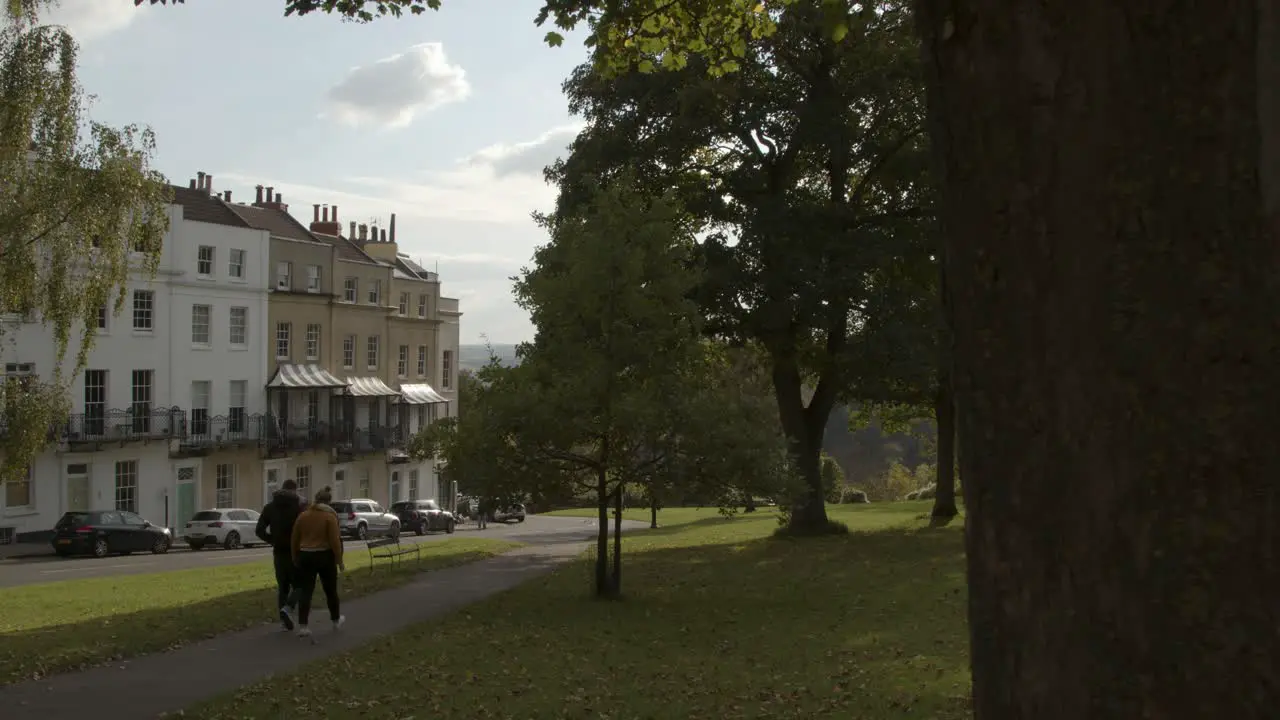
275, 527
482, 513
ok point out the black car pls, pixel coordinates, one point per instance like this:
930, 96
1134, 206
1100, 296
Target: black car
103, 532
423, 516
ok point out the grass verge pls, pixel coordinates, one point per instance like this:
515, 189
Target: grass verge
718, 622
61, 626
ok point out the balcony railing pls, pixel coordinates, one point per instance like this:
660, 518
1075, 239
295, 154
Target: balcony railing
298, 436
219, 430
129, 425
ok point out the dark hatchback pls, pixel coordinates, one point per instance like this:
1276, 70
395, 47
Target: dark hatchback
423, 516
105, 532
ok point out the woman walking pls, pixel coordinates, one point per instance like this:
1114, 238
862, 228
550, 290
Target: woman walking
317, 552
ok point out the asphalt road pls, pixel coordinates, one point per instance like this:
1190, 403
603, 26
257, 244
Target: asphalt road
536, 530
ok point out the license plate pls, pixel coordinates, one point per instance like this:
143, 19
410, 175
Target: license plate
64, 542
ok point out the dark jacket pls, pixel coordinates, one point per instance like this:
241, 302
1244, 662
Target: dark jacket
275, 525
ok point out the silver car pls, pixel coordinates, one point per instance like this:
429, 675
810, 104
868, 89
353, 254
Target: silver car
362, 518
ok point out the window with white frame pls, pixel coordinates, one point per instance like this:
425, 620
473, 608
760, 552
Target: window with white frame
350, 289
402, 361
349, 352
413, 484
313, 341
200, 407
204, 261
364, 484
372, 352
284, 276
422, 361
235, 264
282, 340
144, 305
239, 393
404, 303
225, 479
200, 324
95, 402
126, 494
302, 476
375, 292
422, 305
140, 399
103, 317
446, 370
313, 278
238, 326
313, 408
17, 492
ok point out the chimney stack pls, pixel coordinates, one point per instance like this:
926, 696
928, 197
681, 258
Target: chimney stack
208, 183
315, 213
278, 200
200, 185
228, 196
364, 232
193, 183
384, 235
325, 222
259, 200
393, 227
352, 234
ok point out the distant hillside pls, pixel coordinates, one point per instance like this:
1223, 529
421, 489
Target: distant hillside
474, 357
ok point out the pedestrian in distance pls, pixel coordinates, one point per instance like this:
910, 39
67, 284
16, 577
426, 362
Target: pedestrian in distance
317, 553
482, 514
275, 527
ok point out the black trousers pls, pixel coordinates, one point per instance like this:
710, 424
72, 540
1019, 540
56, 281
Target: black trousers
312, 565
286, 579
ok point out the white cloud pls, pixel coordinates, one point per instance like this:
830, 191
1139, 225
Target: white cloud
393, 90
527, 158
89, 19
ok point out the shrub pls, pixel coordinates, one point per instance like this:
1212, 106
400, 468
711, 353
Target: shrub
913, 495
928, 492
832, 478
854, 496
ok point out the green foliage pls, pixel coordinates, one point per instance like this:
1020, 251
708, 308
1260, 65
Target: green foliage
80, 211
900, 481
832, 479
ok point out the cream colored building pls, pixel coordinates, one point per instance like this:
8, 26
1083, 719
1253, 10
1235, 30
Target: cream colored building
353, 330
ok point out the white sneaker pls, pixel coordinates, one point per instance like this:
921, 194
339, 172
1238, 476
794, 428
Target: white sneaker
337, 624
304, 631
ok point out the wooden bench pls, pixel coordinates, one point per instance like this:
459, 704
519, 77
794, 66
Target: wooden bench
390, 549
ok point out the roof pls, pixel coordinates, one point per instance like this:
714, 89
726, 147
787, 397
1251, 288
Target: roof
200, 206
415, 270
368, 387
277, 222
347, 250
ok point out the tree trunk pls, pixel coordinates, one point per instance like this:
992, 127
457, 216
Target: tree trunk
1112, 212
617, 542
653, 509
803, 427
944, 412
602, 534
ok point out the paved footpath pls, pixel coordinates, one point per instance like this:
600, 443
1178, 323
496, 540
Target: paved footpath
148, 686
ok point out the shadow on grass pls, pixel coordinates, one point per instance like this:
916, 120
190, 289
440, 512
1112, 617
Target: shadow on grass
866, 626
35, 653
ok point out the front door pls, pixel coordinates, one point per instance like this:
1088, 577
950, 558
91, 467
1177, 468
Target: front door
78, 497
186, 497
271, 485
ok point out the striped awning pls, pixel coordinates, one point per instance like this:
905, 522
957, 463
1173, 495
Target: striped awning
289, 375
420, 394
368, 387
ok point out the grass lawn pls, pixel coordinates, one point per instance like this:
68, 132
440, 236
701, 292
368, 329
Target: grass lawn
61, 626
717, 622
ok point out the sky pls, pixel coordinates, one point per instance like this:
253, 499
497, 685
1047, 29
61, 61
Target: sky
445, 119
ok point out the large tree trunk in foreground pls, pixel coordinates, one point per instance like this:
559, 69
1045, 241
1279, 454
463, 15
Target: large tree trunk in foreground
1113, 224
602, 532
944, 412
804, 425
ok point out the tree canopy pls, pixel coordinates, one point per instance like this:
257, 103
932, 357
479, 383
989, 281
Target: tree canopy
80, 210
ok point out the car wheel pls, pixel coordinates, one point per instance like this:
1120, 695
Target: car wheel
395, 530
449, 528
520, 519
362, 532
161, 545
100, 548
232, 541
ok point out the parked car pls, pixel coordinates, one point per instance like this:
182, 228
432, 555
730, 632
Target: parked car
508, 514
361, 518
104, 532
423, 516
229, 527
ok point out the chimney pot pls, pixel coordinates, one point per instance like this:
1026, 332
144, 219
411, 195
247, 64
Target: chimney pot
228, 196
259, 200
315, 213
384, 235
333, 214
271, 194
352, 234
393, 227
324, 213
201, 184
208, 183
193, 184
364, 231
278, 200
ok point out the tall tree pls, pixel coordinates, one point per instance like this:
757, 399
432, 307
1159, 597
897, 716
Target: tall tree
79, 211
806, 168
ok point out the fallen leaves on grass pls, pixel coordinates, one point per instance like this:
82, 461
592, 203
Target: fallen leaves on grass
715, 625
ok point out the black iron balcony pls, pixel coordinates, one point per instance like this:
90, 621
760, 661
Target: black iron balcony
283, 435
139, 423
237, 428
